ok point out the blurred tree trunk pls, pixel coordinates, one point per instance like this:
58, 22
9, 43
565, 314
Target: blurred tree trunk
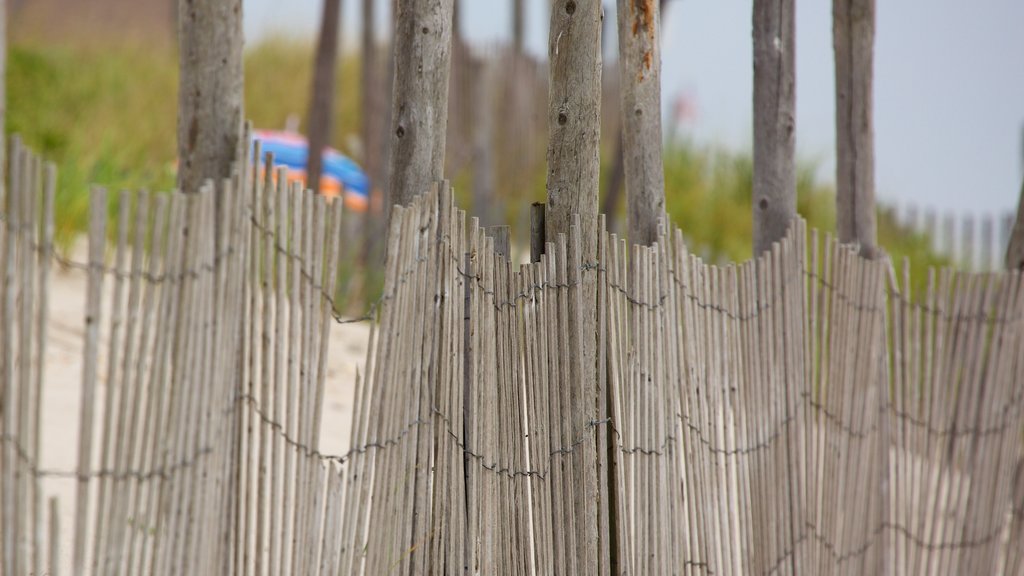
515, 121
1015, 249
517, 26
459, 141
370, 95
371, 132
321, 105
423, 38
640, 65
209, 90
3, 91
774, 194
377, 143
484, 202
853, 31
615, 185
573, 180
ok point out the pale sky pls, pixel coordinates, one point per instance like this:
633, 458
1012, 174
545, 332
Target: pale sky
949, 83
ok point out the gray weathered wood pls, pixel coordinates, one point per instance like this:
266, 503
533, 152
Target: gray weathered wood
97, 244
53, 537
45, 263
1015, 248
3, 91
853, 32
321, 105
574, 129
640, 65
574, 119
104, 505
774, 193
502, 241
484, 200
419, 117
537, 210
8, 339
518, 23
370, 91
210, 99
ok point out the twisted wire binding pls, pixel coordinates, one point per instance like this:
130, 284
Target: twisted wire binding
524, 295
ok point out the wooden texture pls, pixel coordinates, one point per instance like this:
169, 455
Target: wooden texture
801, 413
1015, 246
371, 106
419, 108
853, 37
518, 22
774, 193
210, 99
984, 252
485, 201
574, 111
640, 68
321, 105
3, 75
574, 130
537, 238
97, 244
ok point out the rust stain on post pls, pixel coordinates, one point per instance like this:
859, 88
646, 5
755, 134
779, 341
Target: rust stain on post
645, 18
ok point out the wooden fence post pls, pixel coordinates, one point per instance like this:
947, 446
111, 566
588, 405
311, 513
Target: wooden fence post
640, 65
536, 231
321, 105
574, 126
1015, 249
419, 106
210, 43
853, 29
774, 193
484, 201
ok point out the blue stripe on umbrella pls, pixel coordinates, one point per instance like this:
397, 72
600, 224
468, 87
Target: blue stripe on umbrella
291, 151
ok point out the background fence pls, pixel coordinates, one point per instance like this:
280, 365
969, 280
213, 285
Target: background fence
797, 414
976, 243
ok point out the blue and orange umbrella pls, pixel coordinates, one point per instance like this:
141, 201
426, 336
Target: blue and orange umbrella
341, 175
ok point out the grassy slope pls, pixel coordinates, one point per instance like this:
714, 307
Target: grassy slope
107, 116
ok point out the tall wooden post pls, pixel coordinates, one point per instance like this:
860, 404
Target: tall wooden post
369, 92
1015, 249
419, 117
321, 109
853, 30
640, 63
774, 193
517, 25
3, 96
209, 90
574, 129
484, 201
574, 119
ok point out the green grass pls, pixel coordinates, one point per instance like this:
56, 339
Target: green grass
106, 116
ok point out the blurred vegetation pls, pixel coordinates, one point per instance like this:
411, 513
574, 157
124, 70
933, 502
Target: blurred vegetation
106, 116
708, 197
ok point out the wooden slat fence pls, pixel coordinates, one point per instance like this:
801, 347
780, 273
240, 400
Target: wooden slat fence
971, 242
796, 414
